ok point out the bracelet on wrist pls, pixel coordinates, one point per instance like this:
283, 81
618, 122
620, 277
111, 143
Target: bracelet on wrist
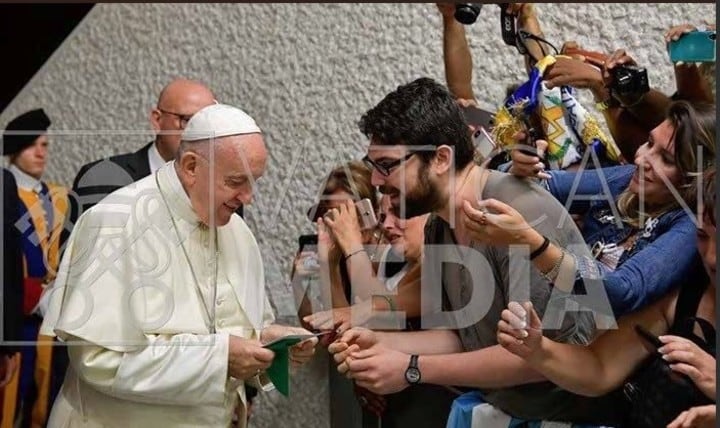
388, 299
604, 105
360, 250
553, 272
541, 249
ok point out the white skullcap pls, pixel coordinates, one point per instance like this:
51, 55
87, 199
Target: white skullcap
219, 120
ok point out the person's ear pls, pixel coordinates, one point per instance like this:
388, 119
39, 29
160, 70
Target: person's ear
444, 160
189, 165
154, 118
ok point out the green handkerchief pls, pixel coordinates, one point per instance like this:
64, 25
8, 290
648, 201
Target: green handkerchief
279, 370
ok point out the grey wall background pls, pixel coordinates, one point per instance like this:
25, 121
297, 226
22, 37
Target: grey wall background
306, 72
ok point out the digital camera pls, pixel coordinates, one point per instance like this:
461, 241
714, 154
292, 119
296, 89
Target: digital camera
630, 80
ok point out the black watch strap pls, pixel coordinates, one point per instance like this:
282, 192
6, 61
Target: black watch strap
413, 361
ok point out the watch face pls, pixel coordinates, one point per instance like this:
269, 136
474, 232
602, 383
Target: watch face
412, 375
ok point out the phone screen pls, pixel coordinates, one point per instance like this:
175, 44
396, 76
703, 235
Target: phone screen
308, 244
305, 273
305, 240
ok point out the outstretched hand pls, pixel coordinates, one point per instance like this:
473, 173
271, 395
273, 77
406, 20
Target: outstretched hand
520, 330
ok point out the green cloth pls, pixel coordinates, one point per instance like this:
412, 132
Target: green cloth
279, 370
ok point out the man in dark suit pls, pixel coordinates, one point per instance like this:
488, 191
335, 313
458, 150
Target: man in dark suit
177, 102
12, 286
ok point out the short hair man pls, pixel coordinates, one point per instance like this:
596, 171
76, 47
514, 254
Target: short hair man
422, 157
161, 290
178, 101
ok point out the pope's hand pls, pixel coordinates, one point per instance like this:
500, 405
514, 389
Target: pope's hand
247, 358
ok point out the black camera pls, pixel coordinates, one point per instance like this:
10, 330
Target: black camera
630, 80
467, 13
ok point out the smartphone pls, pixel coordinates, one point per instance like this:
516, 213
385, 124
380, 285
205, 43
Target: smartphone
477, 117
484, 144
366, 214
650, 338
307, 240
308, 243
696, 46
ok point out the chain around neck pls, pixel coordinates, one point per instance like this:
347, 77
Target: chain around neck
210, 314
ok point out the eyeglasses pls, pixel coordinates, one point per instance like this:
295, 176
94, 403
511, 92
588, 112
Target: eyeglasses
184, 118
385, 168
521, 44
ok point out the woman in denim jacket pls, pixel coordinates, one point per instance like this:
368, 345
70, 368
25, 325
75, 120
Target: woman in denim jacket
639, 258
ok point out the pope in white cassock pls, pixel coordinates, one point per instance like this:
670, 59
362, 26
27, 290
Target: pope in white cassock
161, 295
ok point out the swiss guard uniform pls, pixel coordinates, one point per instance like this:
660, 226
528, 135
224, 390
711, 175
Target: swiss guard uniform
42, 213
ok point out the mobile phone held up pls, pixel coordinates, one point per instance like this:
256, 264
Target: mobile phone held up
475, 117
307, 241
484, 144
366, 214
696, 46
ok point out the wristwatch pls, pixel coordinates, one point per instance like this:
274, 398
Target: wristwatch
412, 374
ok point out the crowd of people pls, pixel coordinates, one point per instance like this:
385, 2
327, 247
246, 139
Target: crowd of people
567, 276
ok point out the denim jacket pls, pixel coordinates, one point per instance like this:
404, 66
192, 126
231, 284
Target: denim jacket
664, 254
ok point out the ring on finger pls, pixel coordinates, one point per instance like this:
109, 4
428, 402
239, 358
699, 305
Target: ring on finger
483, 219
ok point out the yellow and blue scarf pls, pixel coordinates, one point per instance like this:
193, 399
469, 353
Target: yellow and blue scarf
567, 126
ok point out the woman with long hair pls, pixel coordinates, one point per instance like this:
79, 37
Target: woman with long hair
634, 217
681, 325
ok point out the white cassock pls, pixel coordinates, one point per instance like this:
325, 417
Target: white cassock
146, 355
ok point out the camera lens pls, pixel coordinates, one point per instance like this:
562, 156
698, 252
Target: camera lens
467, 13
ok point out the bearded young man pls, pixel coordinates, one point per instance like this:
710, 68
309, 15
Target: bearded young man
422, 156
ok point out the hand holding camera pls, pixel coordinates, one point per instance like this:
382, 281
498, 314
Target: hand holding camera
573, 72
627, 82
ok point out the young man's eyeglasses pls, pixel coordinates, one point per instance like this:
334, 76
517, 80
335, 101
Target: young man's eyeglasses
183, 118
386, 167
